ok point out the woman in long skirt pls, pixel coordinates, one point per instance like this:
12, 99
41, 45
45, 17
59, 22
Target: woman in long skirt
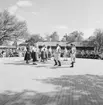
27, 54
34, 54
43, 54
49, 53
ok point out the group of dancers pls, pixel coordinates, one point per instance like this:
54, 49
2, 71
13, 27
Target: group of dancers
36, 54
58, 53
42, 55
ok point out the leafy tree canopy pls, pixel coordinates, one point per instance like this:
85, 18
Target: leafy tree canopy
11, 28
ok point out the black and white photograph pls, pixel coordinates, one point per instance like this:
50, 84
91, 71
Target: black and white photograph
51, 52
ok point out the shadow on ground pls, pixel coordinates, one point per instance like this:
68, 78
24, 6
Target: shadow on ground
37, 65
47, 64
71, 90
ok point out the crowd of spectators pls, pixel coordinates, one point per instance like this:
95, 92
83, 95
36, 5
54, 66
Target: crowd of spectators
87, 54
6, 53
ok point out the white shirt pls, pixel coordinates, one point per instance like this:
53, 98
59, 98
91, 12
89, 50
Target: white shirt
50, 50
34, 49
58, 50
66, 50
73, 50
42, 49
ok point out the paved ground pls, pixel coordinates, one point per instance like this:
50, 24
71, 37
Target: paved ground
43, 84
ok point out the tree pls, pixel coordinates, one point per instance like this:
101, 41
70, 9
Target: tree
98, 33
54, 37
34, 39
91, 41
47, 37
65, 38
15, 43
96, 40
11, 28
75, 36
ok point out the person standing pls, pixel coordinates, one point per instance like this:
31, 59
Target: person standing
65, 54
27, 54
43, 53
73, 54
46, 53
37, 51
50, 53
57, 55
33, 54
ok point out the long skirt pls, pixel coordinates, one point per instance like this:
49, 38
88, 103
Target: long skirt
34, 56
43, 55
49, 54
27, 55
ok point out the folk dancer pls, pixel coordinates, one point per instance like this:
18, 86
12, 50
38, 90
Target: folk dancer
73, 55
27, 54
49, 53
57, 56
43, 53
37, 52
46, 53
33, 54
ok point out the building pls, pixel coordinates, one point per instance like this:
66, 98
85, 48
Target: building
7, 47
79, 45
52, 44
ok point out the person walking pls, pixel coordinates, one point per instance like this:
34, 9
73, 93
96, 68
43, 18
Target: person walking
73, 54
57, 55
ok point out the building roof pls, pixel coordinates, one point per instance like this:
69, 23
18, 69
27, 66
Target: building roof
51, 43
1, 47
80, 44
77, 44
23, 44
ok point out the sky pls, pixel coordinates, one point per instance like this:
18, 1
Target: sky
64, 16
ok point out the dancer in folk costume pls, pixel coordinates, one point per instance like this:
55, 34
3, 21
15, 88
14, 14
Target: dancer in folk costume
57, 55
65, 54
43, 53
33, 54
73, 54
46, 53
39, 55
37, 51
27, 54
49, 53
